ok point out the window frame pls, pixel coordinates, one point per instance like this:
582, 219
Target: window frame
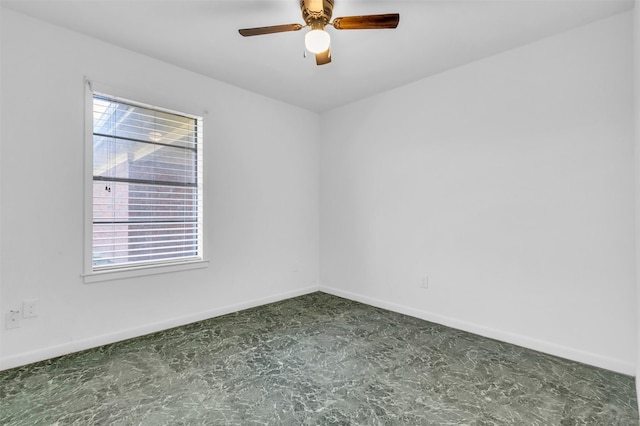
91, 275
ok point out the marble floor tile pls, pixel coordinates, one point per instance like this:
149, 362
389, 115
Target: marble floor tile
314, 360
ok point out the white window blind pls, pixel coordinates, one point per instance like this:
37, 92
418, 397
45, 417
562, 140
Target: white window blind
147, 185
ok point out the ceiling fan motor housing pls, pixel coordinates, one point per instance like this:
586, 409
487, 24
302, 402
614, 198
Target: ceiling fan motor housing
316, 13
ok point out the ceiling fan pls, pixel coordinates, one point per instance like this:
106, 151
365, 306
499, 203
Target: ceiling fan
316, 15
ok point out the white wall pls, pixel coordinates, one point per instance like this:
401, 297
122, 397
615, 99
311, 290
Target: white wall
510, 183
261, 195
636, 51
1, 312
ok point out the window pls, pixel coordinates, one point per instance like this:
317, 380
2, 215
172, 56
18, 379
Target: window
146, 186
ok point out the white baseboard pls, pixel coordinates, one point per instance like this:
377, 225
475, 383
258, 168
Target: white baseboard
92, 342
493, 333
524, 341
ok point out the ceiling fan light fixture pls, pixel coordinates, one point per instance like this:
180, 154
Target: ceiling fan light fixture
317, 41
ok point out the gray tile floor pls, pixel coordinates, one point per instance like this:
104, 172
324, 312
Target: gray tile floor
314, 360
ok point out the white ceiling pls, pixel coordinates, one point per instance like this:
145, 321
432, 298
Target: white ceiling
433, 35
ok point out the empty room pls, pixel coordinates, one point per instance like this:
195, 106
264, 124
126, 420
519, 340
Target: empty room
319, 212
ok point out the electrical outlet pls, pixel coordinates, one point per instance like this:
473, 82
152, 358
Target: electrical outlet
29, 308
424, 282
13, 319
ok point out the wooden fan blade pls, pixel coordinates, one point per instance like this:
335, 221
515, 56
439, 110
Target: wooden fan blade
270, 30
367, 22
323, 57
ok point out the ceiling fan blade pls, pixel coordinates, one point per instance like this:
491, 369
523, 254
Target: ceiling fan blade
367, 22
323, 57
270, 30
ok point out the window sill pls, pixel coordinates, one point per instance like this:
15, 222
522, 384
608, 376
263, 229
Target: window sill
139, 271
